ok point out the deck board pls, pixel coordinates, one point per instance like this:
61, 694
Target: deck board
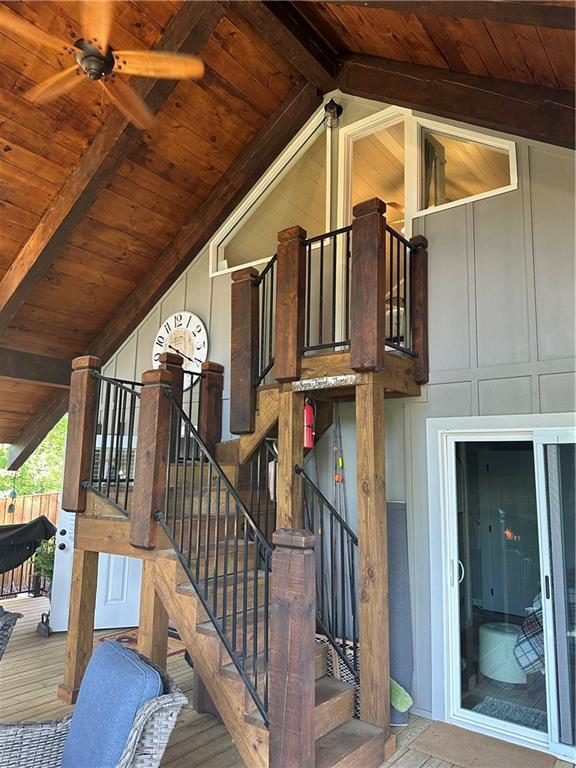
32, 668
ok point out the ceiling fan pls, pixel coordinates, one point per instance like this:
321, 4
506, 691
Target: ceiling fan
98, 60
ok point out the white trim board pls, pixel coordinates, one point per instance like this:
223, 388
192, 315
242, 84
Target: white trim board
441, 433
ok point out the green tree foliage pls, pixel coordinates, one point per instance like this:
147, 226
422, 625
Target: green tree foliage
42, 472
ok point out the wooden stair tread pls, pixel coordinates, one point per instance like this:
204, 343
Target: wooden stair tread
353, 744
327, 688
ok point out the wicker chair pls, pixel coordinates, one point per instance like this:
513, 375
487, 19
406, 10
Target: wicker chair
31, 745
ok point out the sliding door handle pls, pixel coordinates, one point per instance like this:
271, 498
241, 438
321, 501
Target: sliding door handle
461, 572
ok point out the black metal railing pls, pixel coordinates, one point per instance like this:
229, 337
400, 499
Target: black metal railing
398, 291
22, 580
336, 573
261, 496
222, 550
328, 257
266, 282
115, 436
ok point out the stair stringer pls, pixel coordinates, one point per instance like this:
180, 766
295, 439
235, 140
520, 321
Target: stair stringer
268, 408
227, 694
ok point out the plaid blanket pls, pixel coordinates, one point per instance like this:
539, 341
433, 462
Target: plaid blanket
529, 646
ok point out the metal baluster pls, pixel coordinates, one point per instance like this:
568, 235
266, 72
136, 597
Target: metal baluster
348, 263
217, 541
390, 329
334, 241
226, 539
398, 290
208, 525
114, 417
93, 471
120, 441
321, 295
255, 609
184, 487
266, 625
245, 598
271, 312
191, 492
104, 441
199, 524
131, 419
308, 292
235, 580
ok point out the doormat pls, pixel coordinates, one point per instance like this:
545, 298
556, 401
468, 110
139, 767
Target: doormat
512, 712
130, 637
466, 749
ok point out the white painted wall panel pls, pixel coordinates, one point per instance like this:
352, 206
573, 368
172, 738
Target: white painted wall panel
501, 296
552, 199
505, 396
558, 392
449, 327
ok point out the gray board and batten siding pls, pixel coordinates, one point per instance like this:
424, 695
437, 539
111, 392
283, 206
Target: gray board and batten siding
502, 341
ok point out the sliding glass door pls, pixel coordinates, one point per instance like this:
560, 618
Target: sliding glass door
512, 545
556, 482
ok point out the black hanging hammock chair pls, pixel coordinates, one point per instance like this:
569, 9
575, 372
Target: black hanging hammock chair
19, 542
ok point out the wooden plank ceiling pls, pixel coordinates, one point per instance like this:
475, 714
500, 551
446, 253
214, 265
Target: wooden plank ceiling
97, 218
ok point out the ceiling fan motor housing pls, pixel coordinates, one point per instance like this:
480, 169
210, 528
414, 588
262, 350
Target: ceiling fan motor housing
92, 61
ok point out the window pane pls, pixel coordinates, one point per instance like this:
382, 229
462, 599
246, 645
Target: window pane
455, 168
299, 198
378, 171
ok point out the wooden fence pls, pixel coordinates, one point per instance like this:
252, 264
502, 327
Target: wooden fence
29, 507
23, 579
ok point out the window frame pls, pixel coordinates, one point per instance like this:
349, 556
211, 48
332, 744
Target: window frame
414, 126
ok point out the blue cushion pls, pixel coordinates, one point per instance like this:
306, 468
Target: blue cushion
116, 684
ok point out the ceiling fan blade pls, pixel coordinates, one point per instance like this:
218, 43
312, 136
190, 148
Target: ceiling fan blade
55, 86
97, 22
11, 22
173, 66
128, 102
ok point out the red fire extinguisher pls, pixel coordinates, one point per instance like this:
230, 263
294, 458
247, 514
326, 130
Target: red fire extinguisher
309, 428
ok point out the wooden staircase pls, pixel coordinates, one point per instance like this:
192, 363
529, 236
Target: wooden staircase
341, 740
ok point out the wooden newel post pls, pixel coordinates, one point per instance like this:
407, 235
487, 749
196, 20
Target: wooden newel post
368, 286
173, 363
81, 431
419, 305
151, 457
210, 410
290, 304
292, 645
244, 353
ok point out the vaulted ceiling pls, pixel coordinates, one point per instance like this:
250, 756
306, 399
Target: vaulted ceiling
98, 218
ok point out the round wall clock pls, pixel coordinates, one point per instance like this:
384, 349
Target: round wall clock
185, 334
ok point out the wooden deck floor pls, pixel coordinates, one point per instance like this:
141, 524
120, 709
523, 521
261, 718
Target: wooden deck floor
31, 669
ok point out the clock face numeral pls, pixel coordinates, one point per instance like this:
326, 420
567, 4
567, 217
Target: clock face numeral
184, 333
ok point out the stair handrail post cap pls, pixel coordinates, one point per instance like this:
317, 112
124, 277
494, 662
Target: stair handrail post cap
86, 361
171, 358
211, 367
157, 376
418, 241
292, 538
367, 207
292, 233
248, 273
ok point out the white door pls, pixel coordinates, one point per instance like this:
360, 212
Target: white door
511, 585
555, 456
118, 593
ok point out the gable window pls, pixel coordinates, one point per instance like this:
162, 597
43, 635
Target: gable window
455, 168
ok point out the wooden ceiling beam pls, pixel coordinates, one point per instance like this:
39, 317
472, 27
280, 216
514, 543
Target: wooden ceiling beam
34, 369
244, 172
36, 429
531, 111
558, 15
289, 33
187, 32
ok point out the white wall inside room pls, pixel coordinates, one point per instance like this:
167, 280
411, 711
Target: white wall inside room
502, 337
